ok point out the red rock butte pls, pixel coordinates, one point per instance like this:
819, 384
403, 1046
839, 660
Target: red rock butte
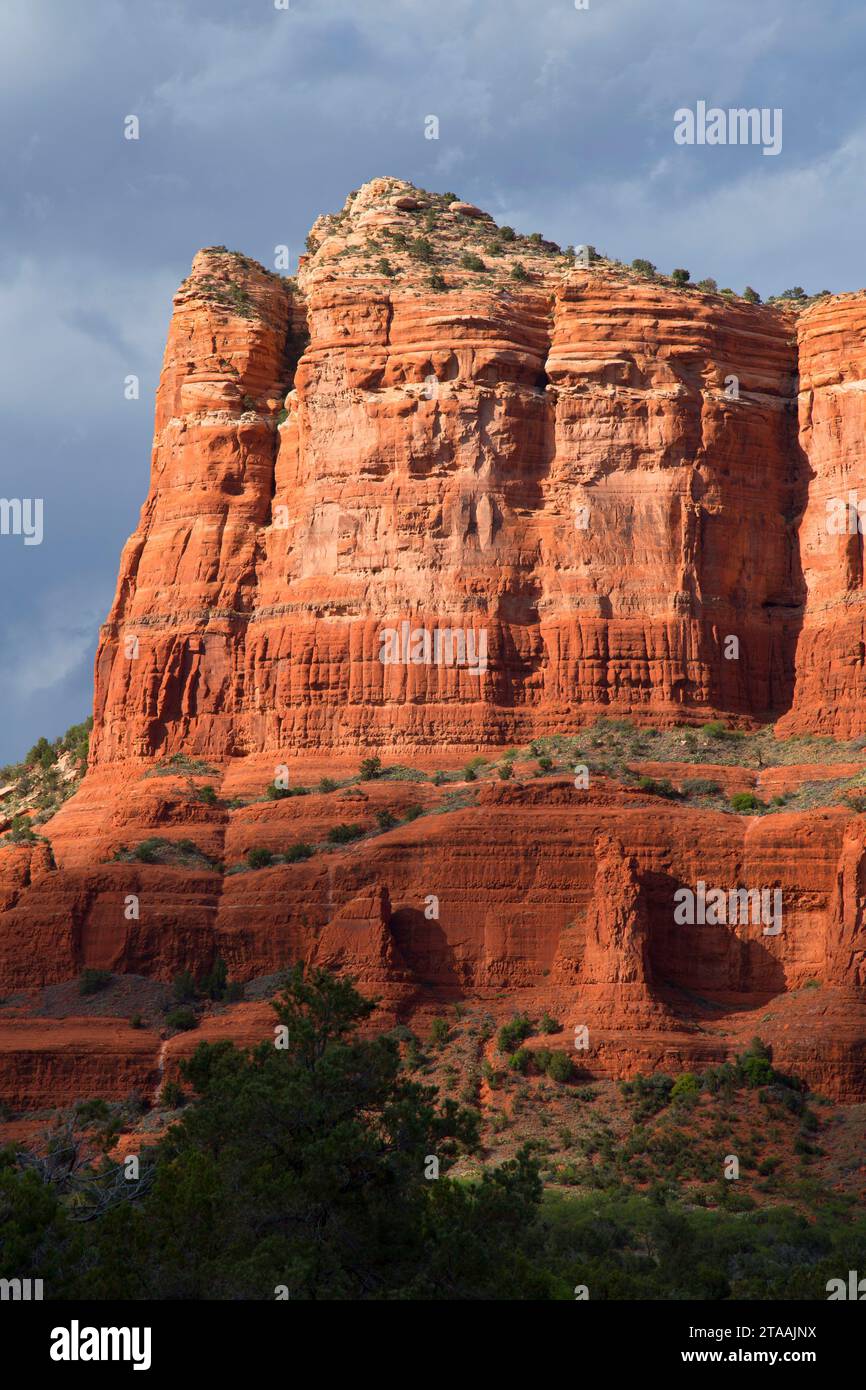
619, 490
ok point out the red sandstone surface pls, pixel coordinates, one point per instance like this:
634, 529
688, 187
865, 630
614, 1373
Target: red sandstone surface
561, 462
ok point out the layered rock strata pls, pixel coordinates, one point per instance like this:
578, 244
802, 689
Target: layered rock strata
446, 492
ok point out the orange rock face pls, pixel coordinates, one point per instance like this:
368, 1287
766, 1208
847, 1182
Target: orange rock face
589, 478
422, 509
830, 676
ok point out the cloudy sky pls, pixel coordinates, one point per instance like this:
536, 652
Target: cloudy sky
254, 119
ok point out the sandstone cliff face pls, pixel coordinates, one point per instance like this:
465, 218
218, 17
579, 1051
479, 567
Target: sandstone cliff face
169, 656
598, 473
830, 679
601, 478
545, 898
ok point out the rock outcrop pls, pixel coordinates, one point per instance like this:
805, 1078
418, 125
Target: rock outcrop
591, 476
446, 492
616, 977
830, 680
